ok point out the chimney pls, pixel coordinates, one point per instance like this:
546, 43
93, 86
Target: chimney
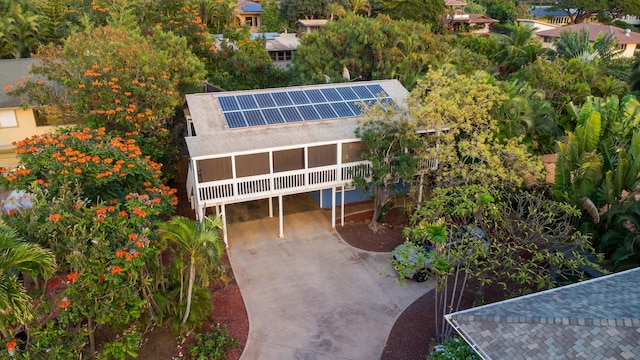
627, 32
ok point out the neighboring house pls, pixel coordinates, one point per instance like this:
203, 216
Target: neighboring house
549, 15
281, 48
16, 123
248, 13
461, 21
630, 19
269, 143
309, 25
538, 25
625, 38
594, 319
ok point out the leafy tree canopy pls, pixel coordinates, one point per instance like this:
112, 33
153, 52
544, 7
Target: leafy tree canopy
424, 11
459, 110
581, 10
113, 78
391, 142
370, 48
294, 10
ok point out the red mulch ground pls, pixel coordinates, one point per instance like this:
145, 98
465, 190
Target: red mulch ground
411, 336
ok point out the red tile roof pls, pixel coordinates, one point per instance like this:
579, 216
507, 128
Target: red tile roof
594, 30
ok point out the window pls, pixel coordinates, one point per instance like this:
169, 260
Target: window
621, 46
352, 152
280, 55
287, 160
8, 119
322, 155
251, 21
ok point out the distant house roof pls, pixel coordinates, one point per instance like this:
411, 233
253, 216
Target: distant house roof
538, 25
454, 3
622, 36
480, 19
313, 22
250, 7
546, 12
282, 42
12, 71
594, 319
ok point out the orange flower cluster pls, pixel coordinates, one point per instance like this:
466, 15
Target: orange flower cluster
64, 303
73, 276
55, 217
128, 255
116, 270
137, 211
91, 73
11, 345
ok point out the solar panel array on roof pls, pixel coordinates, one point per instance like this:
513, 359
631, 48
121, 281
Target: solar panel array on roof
299, 105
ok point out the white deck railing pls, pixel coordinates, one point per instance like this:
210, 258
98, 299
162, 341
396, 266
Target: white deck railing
267, 185
281, 183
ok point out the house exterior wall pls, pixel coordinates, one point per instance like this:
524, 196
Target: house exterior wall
26, 127
629, 50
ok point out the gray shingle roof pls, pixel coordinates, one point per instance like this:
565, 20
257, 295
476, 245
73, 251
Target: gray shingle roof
12, 71
595, 319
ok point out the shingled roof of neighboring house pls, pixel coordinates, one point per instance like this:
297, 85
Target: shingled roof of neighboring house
480, 19
249, 7
622, 36
594, 319
13, 71
454, 3
546, 12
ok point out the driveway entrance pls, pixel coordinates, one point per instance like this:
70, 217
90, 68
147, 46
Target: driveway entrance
311, 295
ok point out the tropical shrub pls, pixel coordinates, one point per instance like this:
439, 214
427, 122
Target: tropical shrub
96, 201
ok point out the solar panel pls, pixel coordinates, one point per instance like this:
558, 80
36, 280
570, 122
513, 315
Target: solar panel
347, 93
308, 112
377, 90
325, 111
331, 94
357, 109
298, 97
228, 103
254, 118
387, 102
268, 108
342, 109
272, 116
246, 102
265, 100
235, 119
315, 96
362, 92
291, 114
282, 99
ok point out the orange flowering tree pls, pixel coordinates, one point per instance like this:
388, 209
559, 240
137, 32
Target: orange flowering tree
96, 202
114, 78
184, 21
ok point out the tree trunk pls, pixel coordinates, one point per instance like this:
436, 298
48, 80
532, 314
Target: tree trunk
92, 338
380, 198
192, 279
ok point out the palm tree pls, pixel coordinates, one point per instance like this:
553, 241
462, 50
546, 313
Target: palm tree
18, 256
18, 31
517, 49
413, 59
199, 248
336, 11
360, 6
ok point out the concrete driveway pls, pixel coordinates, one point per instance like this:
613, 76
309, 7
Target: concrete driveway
311, 295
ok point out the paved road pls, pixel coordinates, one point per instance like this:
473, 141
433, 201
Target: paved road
311, 295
